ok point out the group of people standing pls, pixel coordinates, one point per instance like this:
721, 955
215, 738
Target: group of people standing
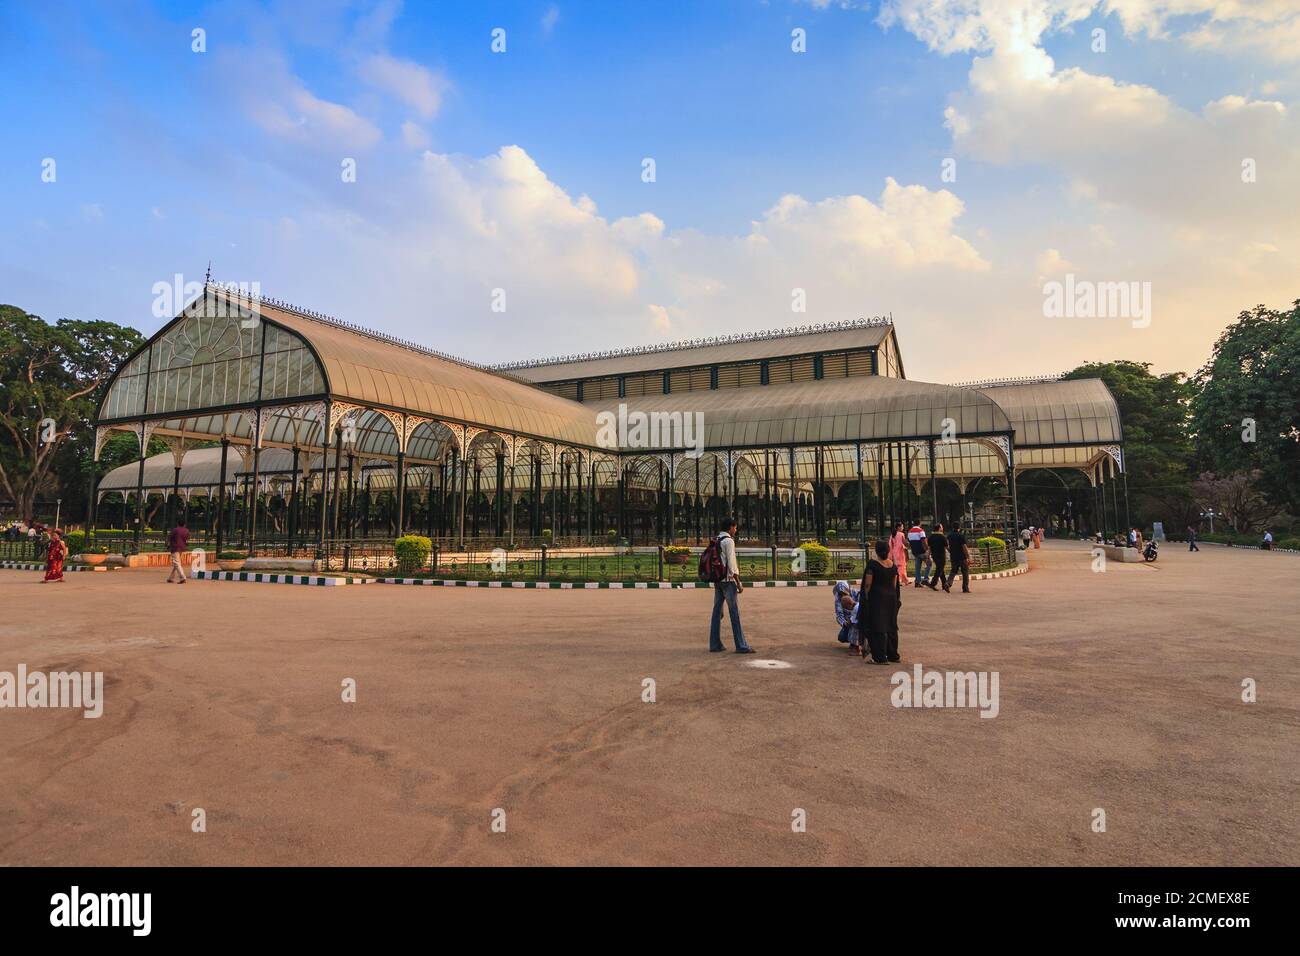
868, 617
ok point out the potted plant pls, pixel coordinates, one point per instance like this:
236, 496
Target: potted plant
232, 560
94, 556
676, 554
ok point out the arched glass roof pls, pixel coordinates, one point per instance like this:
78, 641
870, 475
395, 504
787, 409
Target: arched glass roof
202, 376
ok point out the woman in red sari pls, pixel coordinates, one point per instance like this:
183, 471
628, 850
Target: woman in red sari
54, 557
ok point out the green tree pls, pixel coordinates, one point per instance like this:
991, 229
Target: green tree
1246, 414
50, 379
1157, 442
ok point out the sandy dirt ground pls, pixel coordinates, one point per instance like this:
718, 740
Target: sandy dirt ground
1118, 690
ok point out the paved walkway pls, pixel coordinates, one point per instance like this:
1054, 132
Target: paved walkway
1118, 691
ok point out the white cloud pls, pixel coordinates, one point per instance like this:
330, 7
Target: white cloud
1051, 264
282, 106
1271, 27
550, 18
417, 86
576, 280
414, 135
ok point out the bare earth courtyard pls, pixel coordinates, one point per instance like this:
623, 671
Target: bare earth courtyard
1119, 691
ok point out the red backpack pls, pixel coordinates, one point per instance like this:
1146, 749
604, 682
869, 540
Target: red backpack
712, 569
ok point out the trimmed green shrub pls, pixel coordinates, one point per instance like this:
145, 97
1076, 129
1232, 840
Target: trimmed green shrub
817, 557
232, 555
76, 541
991, 541
412, 551
546, 534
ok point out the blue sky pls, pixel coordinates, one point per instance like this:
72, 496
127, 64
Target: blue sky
522, 170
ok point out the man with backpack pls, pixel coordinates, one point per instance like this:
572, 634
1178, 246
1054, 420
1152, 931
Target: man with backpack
718, 567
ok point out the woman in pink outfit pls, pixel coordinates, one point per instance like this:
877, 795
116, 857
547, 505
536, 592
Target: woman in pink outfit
898, 552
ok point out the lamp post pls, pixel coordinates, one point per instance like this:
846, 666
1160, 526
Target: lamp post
1211, 514
58, 510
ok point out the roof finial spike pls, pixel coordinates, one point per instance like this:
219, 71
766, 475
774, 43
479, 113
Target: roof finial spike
208, 278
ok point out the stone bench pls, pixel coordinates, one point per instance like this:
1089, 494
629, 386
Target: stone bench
1127, 555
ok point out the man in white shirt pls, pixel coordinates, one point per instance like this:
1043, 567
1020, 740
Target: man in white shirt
919, 544
1268, 540
728, 591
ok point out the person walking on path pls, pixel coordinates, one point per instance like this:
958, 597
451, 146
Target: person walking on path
54, 557
939, 552
898, 553
959, 556
878, 602
177, 540
1268, 540
916, 540
1191, 539
728, 590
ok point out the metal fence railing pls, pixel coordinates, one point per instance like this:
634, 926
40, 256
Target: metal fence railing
533, 563
23, 549
636, 564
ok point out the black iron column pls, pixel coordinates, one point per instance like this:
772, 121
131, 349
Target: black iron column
91, 499
401, 493
324, 473
477, 475
501, 492
294, 500
350, 525
176, 494
221, 493
934, 484
257, 467
794, 504
139, 494
862, 501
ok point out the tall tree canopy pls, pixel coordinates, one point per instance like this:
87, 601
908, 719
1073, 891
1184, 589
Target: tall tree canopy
1246, 413
1157, 448
50, 377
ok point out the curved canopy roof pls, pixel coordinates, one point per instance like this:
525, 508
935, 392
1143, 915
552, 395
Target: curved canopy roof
868, 408
1079, 411
202, 374
217, 354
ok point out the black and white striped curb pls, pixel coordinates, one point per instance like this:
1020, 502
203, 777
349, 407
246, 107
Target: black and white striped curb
264, 577
639, 585
21, 566
1239, 547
